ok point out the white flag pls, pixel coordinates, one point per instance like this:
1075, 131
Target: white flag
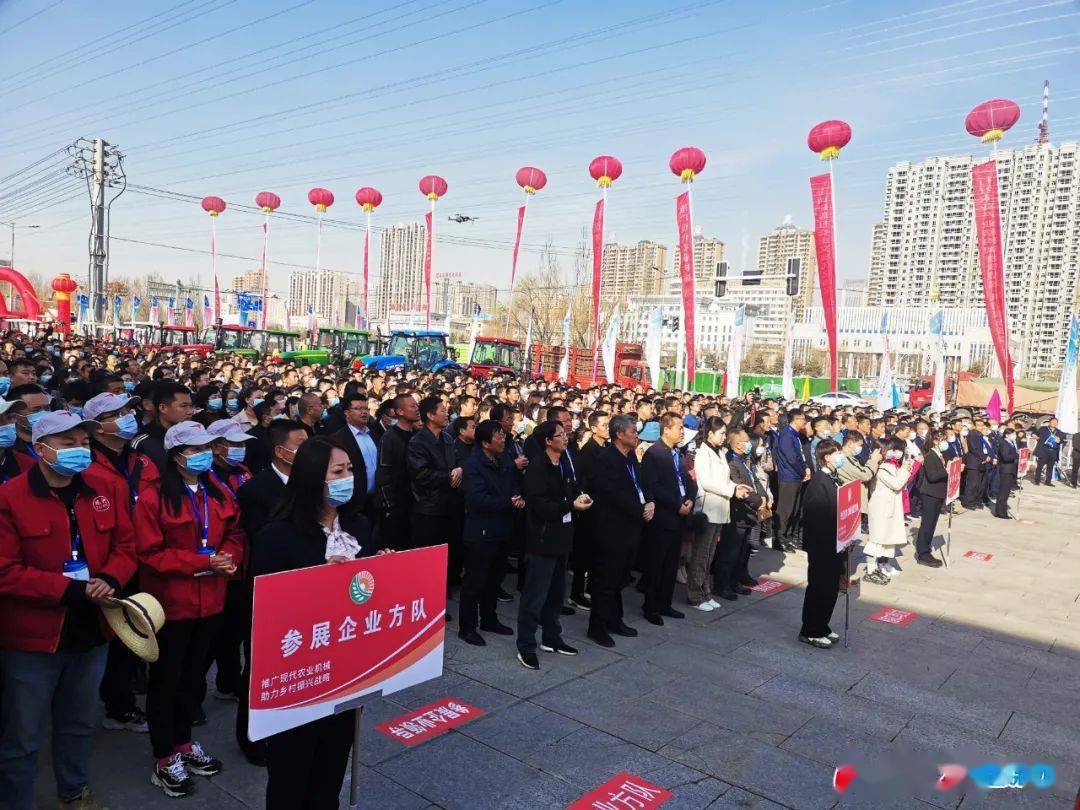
652, 344
564, 364
474, 331
885, 378
735, 353
937, 339
609, 346
528, 343
787, 384
1066, 407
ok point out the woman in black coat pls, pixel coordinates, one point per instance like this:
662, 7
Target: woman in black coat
819, 542
307, 764
933, 485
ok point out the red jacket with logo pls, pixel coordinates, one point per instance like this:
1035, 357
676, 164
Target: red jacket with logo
141, 471
167, 545
35, 540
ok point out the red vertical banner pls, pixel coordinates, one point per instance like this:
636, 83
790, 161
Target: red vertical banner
988, 230
686, 260
430, 221
597, 265
517, 245
824, 236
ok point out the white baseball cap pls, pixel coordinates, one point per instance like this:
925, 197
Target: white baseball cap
60, 422
106, 403
229, 430
9, 404
187, 434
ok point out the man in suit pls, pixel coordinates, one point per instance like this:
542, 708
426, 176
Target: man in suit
976, 461
792, 470
393, 492
622, 507
257, 500
356, 440
1074, 457
993, 436
1047, 451
587, 460
1008, 458
665, 476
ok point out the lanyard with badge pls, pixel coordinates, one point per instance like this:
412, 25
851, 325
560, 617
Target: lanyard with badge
75, 567
223, 482
678, 475
570, 461
633, 477
202, 518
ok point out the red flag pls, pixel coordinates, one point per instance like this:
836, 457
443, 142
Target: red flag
597, 264
988, 228
517, 244
686, 271
427, 263
821, 191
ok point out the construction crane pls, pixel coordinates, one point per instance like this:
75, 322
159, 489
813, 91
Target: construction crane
1043, 135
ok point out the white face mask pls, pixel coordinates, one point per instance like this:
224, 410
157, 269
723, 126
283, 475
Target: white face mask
964, 432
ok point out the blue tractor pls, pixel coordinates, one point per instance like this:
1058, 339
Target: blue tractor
414, 349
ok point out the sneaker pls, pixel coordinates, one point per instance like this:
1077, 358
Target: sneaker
83, 801
833, 637
135, 720
581, 602
561, 648
566, 610
498, 628
200, 763
714, 603
875, 577
173, 779
822, 643
529, 660
504, 596
706, 607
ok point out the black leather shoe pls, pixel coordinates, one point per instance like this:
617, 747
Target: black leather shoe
672, 613
474, 638
728, 595
623, 629
749, 582
498, 628
742, 590
928, 560
601, 638
566, 610
653, 618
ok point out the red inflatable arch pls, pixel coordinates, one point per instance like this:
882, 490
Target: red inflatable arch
31, 305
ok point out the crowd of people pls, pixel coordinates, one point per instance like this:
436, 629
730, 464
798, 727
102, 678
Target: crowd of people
128, 473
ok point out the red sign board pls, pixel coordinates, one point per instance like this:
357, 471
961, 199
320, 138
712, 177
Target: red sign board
981, 556
323, 636
623, 792
1024, 464
901, 618
848, 514
770, 586
954, 468
420, 725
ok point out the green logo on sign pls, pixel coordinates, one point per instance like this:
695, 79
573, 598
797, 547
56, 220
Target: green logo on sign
362, 587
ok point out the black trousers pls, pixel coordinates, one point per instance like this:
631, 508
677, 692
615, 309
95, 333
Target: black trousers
971, 497
306, 765
1006, 482
729, 561
244, 682
178, 681
455, 554
660, 565
485, 566
430, 530
822, 589
1075, 471
116, 690
789, 512
541, 601
230, 638
931, 511
1047, 464
613, 557
394, 530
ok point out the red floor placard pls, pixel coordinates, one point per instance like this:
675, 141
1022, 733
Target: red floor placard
981, 556
623, 792
767, 587
420, 725
901, 618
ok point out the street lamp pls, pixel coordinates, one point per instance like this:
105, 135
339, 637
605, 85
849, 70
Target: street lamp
12, 225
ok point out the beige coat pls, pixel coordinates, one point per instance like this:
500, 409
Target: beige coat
855, 471
715, 487
886, 511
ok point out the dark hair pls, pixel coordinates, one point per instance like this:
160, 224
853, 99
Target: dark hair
166, 391
348, 400
709, 424
278, 431
428, 407
487, 430
794, 414
554, 411
595, 417
825, 448
77, 390
19, 391
668, 418
399, 399
303, 494
499, 410
459, 424
173, 486
893, 443
852, 436
101, 380
545, 432
19, 362
384, 408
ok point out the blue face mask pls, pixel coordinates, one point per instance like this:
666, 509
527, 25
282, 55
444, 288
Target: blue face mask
214, 403
5, 386
839, 461
7, 436
71, 460
34, 418
75, 409
339, 491
332, 401
199, 462
45, 378
255, 402
129, 385
127, 426
233, 404
236, 456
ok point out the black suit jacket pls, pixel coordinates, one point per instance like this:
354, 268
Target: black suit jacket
933, 477
284, 546
257, 500
616, 506
1043, 449
819, 516
345, 439
659, 479
976, 455
1008, 459
587, 460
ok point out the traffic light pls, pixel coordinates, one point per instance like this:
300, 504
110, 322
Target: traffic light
752, 278
794, 268
721, 276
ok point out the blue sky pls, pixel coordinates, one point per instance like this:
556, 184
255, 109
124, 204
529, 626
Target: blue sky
237, 96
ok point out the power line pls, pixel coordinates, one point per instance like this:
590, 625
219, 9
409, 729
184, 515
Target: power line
27, 19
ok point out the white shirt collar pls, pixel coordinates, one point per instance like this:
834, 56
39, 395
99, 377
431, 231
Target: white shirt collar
284, 478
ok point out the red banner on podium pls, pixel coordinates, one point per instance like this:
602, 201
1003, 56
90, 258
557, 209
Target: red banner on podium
1024, 464
848, 514
955, 469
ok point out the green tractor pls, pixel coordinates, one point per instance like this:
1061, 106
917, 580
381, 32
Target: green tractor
346, 346
230, 338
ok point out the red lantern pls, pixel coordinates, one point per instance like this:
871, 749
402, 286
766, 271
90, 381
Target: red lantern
64, 286
828, 138
268, 201
687, 163
605, 170
991, 119
432, 186
531, 179
213, 205
368, 198
321, 198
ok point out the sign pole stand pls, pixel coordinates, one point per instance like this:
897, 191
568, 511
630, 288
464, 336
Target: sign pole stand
847, 595
354, 778
948, 538
1019, 492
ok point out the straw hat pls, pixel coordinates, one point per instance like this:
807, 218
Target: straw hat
136, 620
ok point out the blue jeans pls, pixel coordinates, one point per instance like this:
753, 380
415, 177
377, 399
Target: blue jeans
38, 687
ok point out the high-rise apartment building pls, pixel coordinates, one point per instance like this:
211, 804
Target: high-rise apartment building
250, 281
459, 299
632, 270
324, 290
707, 252
925, 248
786, 242
401, 270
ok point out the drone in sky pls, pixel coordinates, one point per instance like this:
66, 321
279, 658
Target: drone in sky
460, 218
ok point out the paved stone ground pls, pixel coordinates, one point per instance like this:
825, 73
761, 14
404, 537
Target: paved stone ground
726, 709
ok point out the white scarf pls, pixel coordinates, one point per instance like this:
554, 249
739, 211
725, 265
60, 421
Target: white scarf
340, 543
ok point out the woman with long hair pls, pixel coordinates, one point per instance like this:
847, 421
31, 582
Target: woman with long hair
307, 764
888, 534
189, 542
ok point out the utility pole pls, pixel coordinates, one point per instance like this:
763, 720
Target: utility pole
102, 166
